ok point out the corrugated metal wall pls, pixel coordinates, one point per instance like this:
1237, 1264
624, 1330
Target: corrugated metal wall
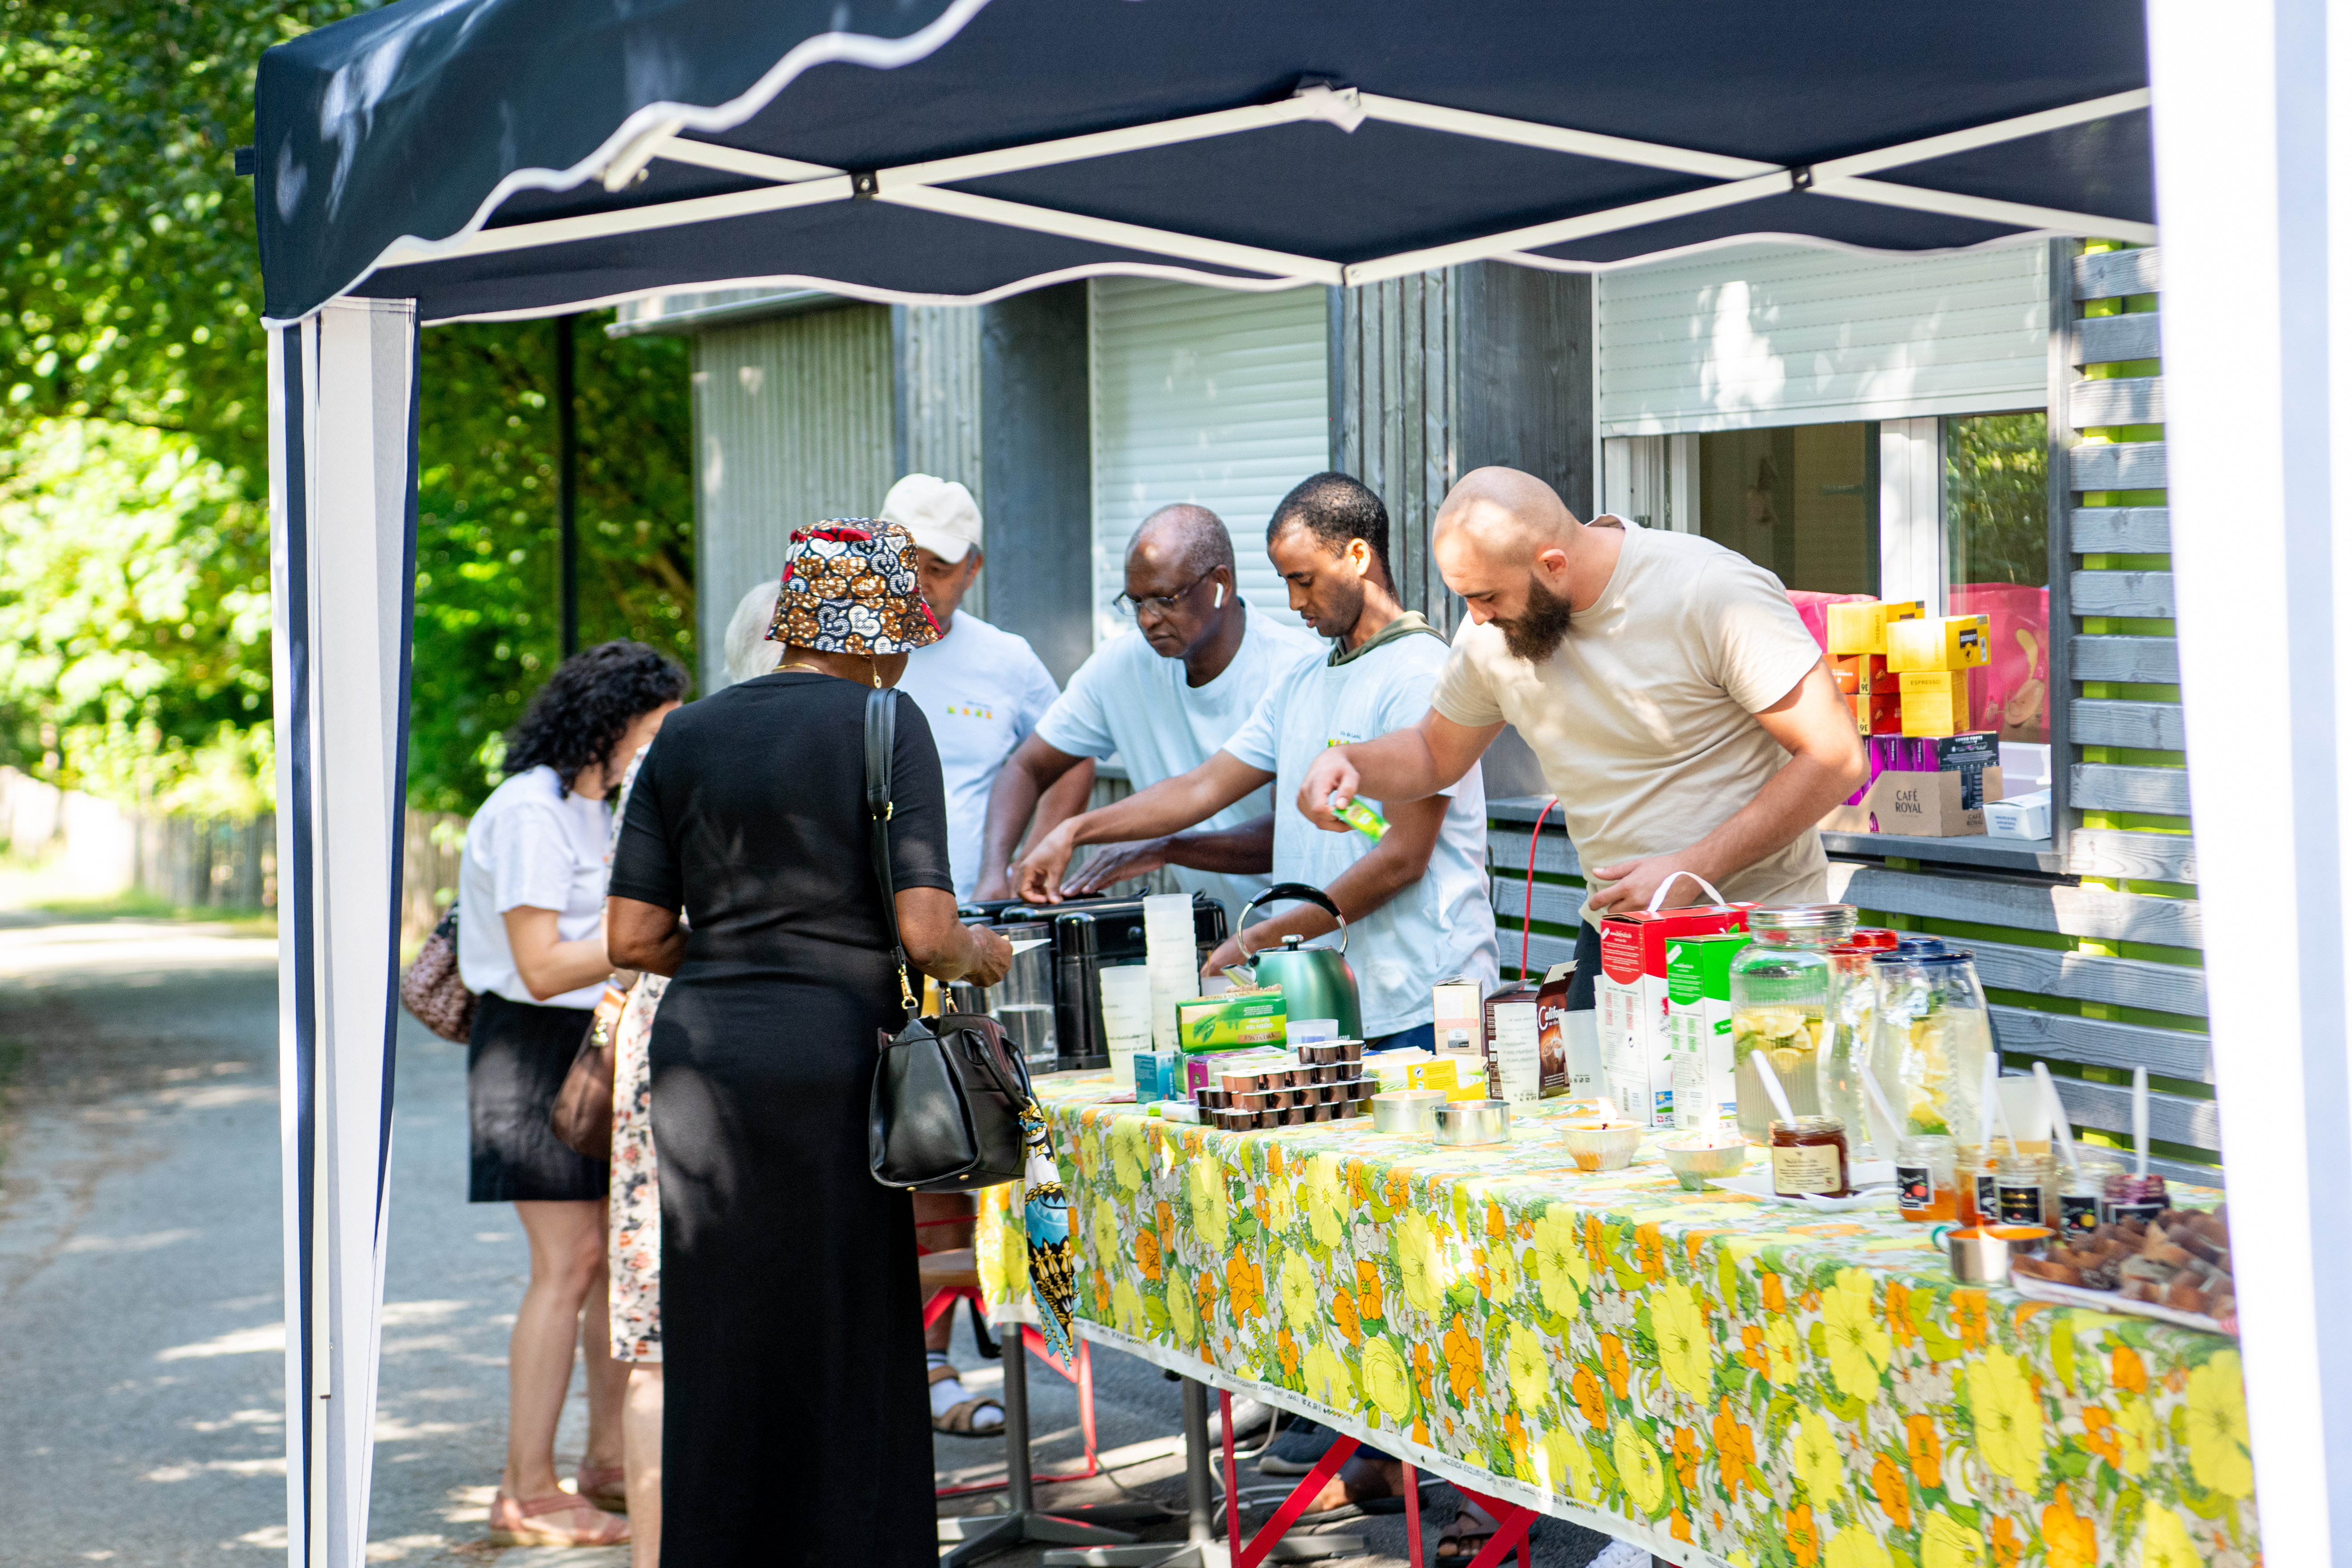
1780, 334
938, 404
1394, 416
792, 423
1221, 399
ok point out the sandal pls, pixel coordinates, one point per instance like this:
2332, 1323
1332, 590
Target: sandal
606, 1485
514, 1523
962, 1419
1469, 1532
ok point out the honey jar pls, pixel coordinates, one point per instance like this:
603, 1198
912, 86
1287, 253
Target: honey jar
1809, 1156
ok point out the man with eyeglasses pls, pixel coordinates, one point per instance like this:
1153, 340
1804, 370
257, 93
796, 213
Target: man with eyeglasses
1415, 898
1164, 700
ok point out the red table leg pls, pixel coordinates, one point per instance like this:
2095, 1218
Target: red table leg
1294, 1505
1233, 1486
1412, 1518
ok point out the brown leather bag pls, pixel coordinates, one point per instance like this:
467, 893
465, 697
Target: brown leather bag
582, 1116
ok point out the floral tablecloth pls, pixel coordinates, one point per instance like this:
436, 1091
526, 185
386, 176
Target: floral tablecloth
1720, 1379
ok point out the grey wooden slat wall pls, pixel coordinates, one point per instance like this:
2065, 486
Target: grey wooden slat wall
792, 422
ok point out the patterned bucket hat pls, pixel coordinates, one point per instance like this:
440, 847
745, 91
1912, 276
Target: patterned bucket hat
849, 587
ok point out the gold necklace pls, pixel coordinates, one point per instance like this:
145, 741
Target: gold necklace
796, 665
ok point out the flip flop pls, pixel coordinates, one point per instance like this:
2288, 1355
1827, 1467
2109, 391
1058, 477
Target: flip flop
1469, 1532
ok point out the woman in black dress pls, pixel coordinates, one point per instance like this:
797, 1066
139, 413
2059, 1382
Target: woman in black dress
791, 1316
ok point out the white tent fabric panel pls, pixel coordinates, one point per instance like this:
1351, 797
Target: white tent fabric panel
1203, 396
1756, 335
342, 395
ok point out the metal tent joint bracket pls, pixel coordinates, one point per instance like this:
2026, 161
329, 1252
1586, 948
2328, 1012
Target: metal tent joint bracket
1800, 178
865, 184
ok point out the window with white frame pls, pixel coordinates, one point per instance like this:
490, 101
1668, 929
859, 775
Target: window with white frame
1949, 510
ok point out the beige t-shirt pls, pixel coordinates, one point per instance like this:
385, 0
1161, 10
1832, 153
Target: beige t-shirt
1644, 720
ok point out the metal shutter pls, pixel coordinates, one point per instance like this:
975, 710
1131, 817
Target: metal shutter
1780, 334
1203, 396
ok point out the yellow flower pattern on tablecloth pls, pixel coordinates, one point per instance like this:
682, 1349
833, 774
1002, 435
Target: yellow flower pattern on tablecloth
1698, 1372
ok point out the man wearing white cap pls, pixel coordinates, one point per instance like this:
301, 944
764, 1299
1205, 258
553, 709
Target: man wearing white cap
982, 689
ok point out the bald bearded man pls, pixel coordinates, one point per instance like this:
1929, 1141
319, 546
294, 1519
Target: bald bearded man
1164, 700
1679, 708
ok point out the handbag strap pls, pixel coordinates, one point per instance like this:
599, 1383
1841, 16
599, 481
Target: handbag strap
881, 740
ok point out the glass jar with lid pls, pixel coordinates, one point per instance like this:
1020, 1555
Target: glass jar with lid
2083, 1189
1934, 1037
1847, 1037
1781, 986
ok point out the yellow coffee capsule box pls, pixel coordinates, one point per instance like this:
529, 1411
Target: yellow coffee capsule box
1950, 683
1446, 1074
1945, 642
1930, 715
1862, 629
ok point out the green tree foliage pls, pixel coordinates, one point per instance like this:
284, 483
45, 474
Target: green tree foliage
132, 420
134, 617
1997, 498
488, 551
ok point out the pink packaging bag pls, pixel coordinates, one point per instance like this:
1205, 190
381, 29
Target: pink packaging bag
2012, 694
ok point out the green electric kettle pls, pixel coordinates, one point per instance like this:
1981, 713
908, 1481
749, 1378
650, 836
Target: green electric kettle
1316, 981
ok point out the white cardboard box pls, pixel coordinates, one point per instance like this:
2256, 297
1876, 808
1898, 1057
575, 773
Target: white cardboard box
2020, 816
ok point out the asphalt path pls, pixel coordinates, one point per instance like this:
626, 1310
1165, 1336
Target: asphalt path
141, 1290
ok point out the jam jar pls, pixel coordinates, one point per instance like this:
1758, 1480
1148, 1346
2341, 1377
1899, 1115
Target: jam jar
1809, 1156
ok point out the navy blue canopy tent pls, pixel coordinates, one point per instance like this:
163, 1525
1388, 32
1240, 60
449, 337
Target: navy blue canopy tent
443, 159
518, 156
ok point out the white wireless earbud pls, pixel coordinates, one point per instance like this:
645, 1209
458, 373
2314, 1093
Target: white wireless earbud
1221, 598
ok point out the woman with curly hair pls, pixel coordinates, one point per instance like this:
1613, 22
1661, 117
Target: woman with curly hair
530, 943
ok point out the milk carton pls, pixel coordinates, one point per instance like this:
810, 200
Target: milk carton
1698, 1026
1630, 995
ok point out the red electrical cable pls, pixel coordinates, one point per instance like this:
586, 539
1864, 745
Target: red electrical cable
1527, 926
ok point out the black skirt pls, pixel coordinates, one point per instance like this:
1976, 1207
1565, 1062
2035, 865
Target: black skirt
791, 1313
515, 1064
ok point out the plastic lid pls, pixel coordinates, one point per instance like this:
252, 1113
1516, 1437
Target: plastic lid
1919, 944
1802, 917
1946, 958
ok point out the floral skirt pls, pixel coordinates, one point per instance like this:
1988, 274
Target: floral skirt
635, 1236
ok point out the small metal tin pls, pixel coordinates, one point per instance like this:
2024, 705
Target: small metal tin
1981, 1255
1468, 1123
1411, 1111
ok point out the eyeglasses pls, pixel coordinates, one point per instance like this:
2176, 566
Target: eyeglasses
1158, 604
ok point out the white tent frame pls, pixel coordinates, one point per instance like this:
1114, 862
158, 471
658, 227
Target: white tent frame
2258, 211
924, 185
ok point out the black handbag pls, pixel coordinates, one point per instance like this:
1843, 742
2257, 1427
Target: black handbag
945, 1111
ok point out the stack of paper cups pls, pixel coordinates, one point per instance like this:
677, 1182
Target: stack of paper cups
1126, 1018
1173, 961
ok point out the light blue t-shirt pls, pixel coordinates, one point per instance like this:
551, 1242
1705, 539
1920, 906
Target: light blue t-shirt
1440, 926
1128, 700
982, 689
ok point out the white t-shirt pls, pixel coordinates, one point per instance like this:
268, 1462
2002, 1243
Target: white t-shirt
530, 845
983, 689
1127, 699
1440, 926
1645, 719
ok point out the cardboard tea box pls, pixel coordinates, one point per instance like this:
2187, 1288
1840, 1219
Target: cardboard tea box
1630, 995
1698, 1026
